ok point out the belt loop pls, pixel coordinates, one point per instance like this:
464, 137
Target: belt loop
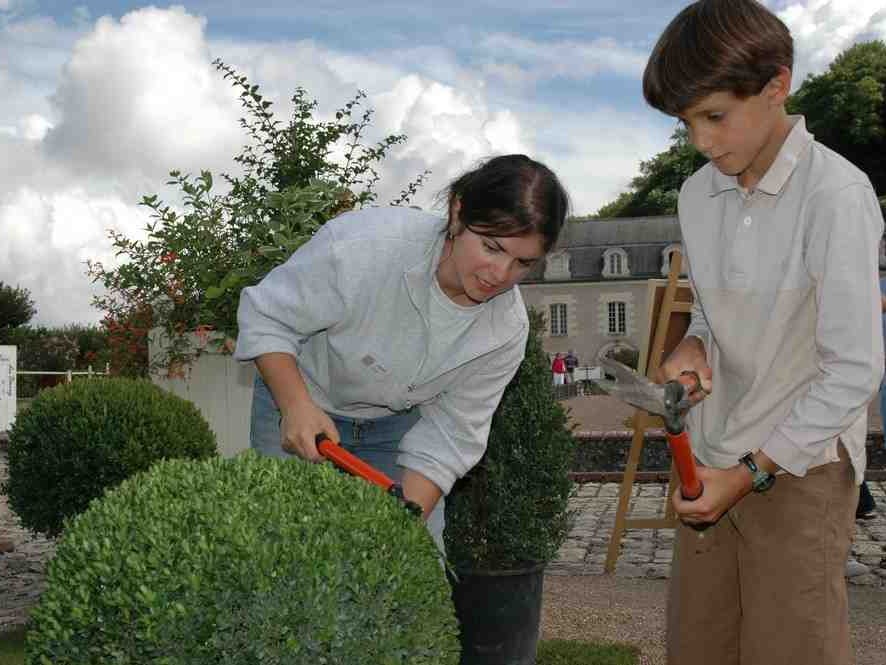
355, 430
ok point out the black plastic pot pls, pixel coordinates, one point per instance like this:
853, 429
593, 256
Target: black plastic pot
499, 614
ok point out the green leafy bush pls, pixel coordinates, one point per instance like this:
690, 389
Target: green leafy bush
512, 508
77, 440
245, 561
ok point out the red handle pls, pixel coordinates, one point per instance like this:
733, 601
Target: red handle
681, 451
351, 463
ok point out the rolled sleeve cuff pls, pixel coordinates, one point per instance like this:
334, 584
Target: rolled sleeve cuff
787, 454
252, 349
443, 477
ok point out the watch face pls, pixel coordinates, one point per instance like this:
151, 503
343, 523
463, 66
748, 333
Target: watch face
763, 481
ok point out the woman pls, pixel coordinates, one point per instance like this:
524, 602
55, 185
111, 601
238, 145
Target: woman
395, 332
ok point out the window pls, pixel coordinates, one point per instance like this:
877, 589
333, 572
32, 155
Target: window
615, 263
558, 319
667, 256
617, 318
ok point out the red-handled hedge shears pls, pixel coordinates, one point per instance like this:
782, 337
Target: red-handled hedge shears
356, 467
671, 401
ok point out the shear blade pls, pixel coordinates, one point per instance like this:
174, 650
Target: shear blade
632, 388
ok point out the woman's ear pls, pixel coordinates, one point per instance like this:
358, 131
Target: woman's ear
455, 226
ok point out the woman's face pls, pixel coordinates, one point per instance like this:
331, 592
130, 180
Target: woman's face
474, 268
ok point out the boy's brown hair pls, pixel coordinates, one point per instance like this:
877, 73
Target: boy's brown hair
713, 46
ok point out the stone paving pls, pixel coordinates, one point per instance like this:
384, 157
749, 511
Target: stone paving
23, 558
647, 552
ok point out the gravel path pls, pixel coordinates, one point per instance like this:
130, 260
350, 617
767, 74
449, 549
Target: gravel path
606, 608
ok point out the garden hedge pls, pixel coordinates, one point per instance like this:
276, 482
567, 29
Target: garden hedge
247, 560
76, 440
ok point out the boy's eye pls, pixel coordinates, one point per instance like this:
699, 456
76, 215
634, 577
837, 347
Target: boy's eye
715, 117
527, 263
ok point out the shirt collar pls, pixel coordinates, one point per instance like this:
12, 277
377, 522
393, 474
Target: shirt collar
781, 169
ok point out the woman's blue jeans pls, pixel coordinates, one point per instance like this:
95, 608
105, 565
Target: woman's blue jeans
374, 440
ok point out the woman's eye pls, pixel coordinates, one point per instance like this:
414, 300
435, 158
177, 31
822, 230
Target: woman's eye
492, 249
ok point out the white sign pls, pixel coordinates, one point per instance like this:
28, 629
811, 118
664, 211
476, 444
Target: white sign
7, 387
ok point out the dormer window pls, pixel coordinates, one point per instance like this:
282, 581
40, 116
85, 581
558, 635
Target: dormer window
615, 263
557, 265
666, 255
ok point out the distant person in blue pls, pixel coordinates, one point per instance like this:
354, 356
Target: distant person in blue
866, 503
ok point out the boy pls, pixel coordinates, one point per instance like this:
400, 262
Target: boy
782, 237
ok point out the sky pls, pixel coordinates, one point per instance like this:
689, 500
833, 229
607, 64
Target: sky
100, 100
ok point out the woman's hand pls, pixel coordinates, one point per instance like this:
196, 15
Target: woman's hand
689, 356
299, 426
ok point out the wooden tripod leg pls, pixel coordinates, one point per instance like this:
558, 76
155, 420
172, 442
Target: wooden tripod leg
624, 492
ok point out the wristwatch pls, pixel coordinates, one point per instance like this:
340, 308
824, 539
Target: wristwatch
761, 480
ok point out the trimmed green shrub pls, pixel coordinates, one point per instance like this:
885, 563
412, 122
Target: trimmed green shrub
511, 509
250, 560
77, 440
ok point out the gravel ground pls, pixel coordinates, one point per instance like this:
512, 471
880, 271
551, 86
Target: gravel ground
615, 609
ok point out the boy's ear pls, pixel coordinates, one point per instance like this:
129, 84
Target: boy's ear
779, 87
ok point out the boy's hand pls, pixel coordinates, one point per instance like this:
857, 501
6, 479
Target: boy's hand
688, 356
723, 488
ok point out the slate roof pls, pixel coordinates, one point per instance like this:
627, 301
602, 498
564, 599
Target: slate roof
642, 238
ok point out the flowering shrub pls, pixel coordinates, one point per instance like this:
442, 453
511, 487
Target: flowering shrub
187, 275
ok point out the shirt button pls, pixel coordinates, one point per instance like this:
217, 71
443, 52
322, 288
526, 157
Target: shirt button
747, 221
408, 404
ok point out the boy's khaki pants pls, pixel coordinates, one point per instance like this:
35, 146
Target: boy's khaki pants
765, 585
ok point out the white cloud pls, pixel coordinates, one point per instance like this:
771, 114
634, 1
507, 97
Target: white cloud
822, 29
140, 95
49, 236
95, 115
516, 59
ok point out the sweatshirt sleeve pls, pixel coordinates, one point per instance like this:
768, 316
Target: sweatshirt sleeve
294, 301
451, 435
842, 243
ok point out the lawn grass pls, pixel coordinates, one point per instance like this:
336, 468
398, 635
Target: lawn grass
574, 652
550, 652
12, 647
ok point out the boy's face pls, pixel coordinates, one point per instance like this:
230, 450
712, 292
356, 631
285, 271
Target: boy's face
741, 136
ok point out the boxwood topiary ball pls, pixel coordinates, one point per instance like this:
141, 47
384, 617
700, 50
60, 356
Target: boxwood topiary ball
245, 561
78, 439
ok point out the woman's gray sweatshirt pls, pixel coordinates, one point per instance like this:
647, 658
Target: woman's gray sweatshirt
354, 306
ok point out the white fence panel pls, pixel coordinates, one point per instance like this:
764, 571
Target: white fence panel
7, 387
221, 388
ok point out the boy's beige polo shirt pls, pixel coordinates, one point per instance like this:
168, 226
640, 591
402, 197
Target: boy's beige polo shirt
788, 306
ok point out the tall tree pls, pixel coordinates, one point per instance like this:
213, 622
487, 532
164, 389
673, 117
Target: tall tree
845, 107
655, 190
16, 306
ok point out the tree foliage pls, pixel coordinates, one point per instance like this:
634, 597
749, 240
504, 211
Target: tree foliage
16, 306
188, 274
655, 190
845, 108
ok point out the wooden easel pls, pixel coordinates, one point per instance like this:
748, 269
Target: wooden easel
669, 312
